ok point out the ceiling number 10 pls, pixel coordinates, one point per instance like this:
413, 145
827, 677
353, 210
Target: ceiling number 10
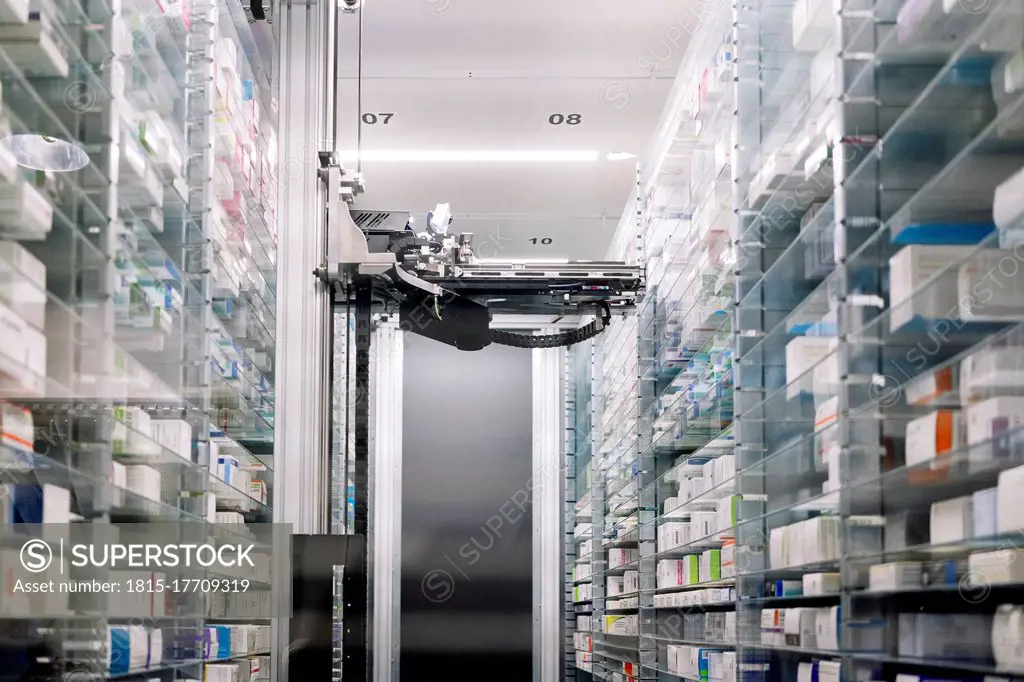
545, 240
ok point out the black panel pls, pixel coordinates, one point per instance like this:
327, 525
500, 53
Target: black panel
466, 514
314, 558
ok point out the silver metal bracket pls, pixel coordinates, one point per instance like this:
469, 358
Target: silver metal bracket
347, 250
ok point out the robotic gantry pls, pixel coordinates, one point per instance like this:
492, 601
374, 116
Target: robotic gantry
442, 291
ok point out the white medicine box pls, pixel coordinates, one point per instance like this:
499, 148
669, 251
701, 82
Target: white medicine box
803, 354
911, 269
988, 419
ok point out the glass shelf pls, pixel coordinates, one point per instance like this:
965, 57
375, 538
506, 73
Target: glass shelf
138, 302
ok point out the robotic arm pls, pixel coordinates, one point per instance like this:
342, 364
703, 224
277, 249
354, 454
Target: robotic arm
444, 292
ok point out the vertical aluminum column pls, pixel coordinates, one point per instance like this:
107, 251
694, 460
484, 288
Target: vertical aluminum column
386, 497
302, 438
548, 396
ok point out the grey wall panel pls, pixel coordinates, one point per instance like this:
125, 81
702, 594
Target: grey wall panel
466, 603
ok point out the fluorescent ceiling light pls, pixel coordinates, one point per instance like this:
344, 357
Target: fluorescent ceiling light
482, 156
619, 156
42, 153
537, 261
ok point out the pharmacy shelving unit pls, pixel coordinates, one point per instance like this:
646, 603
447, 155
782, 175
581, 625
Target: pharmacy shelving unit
663, 495
137, 246
685, 372
878, 339
579, 578
612, 544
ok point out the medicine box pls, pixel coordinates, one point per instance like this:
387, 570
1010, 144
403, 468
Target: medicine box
621, 625
710, 568
1003, 566
41, 503
826, 631
940, 388
25, 214
933, 437
175, 435
813, 25
17, 430
144, 481
800, 626
986, 513
988, 419
1009, 510
952, 520
894, 576
802, 355
816, 584
24, 286
991, 286
998, 369
957, 636
911, 269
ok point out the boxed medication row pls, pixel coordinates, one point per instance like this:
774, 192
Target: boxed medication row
622, 625
133, 647
34, 503
627, 583
23, 288
227, 641
717, 627
619, 557
819, 540
993, 371
958, 636
815, 584
690, 570
25, 212
815, 628
956, 283
583, 592
999, 567
18, 432
133, 432
16, 603
583, 641
897, 575
819, 671
711, 595
702, 663
24, 348
1008, 637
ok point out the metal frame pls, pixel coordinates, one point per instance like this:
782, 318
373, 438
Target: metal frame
387, 354
548, 431
303, 322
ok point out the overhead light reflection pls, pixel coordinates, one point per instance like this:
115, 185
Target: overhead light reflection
443, 155
42, 153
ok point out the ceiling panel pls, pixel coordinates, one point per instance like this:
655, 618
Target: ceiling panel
497, 238
513, 113
564, 189
566, 37
487, 75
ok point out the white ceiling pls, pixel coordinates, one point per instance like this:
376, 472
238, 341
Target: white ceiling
485, 75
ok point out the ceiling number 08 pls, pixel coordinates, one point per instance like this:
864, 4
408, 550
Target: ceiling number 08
568, 119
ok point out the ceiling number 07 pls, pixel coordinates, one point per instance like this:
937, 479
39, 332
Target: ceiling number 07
373, 119
567, 119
